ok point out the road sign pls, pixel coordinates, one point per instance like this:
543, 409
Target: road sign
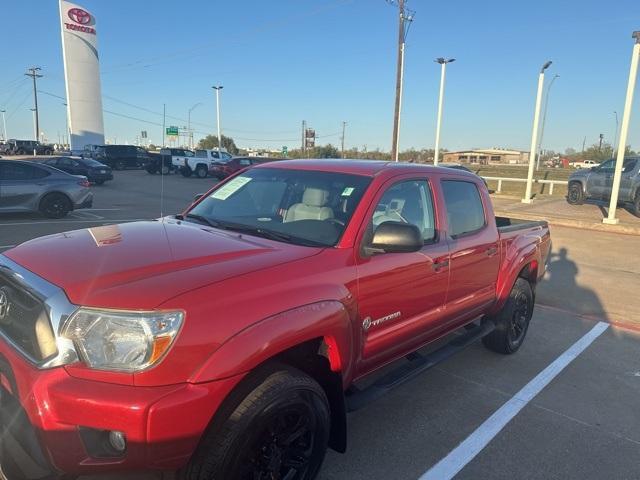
143, 134
172, 131
285, 150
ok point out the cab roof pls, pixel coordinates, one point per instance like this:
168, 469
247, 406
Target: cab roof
369, 168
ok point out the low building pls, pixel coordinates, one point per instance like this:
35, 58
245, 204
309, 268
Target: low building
486, 156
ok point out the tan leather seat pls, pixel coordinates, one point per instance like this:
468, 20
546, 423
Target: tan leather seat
313, 206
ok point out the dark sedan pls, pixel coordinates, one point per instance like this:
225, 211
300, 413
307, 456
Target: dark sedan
95, 171
224, 167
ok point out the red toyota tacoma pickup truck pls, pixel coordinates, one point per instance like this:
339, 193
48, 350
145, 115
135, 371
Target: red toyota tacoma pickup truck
228, 342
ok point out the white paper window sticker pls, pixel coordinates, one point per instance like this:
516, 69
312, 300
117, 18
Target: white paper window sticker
347, 191
230, 188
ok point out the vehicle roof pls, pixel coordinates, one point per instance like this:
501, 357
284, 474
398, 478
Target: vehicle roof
368, 168
38, 164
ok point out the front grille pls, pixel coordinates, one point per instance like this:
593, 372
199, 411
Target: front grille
24, 321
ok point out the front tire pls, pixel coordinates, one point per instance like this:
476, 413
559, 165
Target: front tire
277, 428
512, 322
55, 205
202, 171
186, 172
575, 195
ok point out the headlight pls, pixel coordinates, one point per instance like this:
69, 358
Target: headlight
118, 340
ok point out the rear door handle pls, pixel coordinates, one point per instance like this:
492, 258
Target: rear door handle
491, 251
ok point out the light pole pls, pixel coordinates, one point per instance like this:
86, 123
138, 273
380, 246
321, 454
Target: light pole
4, 125
624, 131
217, 88
189, 124
616, 134
534, 133
544, 119
66, 123
443, 64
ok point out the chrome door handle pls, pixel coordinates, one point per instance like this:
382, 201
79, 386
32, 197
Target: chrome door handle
438, 266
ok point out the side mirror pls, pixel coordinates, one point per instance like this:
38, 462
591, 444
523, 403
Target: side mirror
197, 196
395, 237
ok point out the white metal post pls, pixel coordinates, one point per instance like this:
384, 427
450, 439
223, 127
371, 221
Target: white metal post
534, 135
624, 131
400, 101
440, 100
217, 89
4, 125
544, 120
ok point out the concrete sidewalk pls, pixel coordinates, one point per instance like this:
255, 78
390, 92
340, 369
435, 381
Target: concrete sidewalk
558, 212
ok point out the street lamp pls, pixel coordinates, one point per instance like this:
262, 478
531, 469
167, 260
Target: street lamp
544, 118
4, 125
534, 133
189, 124
624, 131
217, 88
443, 63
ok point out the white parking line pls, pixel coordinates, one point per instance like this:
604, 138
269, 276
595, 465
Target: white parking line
85, 215
459, 457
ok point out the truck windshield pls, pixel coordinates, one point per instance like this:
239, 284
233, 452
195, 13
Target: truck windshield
296, 206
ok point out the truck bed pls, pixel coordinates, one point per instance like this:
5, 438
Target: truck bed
508, 224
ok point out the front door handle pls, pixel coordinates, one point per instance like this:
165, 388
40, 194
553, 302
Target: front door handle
438, 266
491, 251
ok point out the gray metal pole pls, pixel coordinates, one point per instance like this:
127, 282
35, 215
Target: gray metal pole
624, 131
217, 89
544, 119
4, 125
164, 122
534, 134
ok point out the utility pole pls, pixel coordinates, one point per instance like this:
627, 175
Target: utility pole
304, 137
217, 88
164, 121
624, 131
544, 119
405, 19
584, 142
534, 133
4, 125
344, 126
33, 73
443, 63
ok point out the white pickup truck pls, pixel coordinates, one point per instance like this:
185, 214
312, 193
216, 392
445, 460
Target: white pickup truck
585, 164
200, 162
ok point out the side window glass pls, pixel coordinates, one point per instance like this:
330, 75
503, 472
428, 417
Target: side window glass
465, 212
408, 202
244, 162
629, 166
608, 166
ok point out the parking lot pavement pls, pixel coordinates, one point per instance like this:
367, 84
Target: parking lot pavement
582, 425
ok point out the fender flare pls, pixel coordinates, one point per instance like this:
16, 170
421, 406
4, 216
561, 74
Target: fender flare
518, 259
267, 338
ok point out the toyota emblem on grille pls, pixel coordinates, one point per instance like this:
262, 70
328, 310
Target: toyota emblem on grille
4, 304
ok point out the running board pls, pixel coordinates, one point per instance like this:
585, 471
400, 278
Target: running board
417, 363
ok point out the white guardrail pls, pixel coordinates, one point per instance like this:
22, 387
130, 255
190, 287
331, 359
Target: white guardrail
551, 183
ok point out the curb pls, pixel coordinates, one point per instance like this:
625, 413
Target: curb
567, 222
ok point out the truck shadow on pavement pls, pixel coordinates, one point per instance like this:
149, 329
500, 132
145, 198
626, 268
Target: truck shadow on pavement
561, 290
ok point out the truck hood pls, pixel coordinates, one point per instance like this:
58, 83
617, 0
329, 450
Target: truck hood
140, 265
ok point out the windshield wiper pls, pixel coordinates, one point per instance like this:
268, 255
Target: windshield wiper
200, 218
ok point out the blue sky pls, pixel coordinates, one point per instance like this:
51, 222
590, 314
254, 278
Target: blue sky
326, 61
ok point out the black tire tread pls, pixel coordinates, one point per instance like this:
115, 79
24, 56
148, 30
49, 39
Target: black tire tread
263, 386
497, 340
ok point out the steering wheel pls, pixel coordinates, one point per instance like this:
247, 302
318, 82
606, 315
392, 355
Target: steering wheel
335, 220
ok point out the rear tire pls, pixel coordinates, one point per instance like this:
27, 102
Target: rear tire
575, 195
512, 322
99, 182
275, 425
55, 205
202, 171
119, 165
186, 172
151, 170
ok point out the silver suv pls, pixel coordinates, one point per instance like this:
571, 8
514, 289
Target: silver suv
597, 183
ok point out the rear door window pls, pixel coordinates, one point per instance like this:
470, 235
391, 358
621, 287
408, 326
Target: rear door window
465, 212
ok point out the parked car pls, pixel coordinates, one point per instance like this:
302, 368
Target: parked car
213, 155
121, 157
597, 183
35, 187
25, 147
222, 169
156, 159
202, 161
95, 171
585, 164
156, 355
90, 151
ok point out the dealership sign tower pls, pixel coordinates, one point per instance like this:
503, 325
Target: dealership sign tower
82, 76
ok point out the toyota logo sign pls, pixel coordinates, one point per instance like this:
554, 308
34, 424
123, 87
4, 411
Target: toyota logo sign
80, 16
